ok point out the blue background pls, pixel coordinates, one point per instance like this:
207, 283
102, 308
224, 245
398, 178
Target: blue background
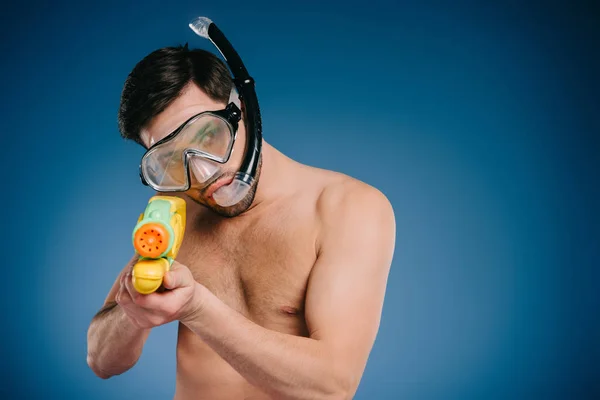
479, 122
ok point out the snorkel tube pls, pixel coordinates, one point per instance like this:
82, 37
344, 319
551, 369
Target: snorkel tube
233, 193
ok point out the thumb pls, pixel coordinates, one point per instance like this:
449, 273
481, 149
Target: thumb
178, 276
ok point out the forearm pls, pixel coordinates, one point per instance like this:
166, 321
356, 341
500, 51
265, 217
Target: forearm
282, 365
114, 343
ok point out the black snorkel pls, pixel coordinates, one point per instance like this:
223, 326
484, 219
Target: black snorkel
244, 83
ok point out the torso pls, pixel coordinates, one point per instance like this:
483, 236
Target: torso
258, 265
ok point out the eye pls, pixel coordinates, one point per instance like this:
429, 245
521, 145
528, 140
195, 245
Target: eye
205, 135
170, 159
166, 157
209, 136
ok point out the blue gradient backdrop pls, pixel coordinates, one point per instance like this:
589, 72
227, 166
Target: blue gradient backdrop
479, 122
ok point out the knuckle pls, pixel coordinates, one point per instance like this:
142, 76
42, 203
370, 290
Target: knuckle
125, 300
127, 279
136, 300
142, 301
120, 298
124, 304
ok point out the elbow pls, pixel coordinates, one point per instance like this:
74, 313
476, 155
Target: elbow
91, 362
343, 392
343, 385
92, 358
328, 388
105, 373
337, 394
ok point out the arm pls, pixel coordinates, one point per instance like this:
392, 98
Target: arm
114, 342
343, 307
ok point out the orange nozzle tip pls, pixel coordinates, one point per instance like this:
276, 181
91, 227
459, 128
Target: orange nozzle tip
151, 240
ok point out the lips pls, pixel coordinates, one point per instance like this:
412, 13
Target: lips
219, 183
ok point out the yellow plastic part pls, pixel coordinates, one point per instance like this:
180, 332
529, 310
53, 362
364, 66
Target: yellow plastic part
178, 225
147, 275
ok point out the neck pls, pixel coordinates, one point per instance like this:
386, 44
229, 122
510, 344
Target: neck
274, 175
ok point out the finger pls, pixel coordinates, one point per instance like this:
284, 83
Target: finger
133, 293
178, 276
149, 302
122, 298
138, 312
153, 303
134, 259
122, 279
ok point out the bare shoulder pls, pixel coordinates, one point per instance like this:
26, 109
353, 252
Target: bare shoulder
343, 196
347, 204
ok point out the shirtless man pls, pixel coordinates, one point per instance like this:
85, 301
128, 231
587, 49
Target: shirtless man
278, 296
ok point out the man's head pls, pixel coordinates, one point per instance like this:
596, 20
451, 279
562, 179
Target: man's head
163, 91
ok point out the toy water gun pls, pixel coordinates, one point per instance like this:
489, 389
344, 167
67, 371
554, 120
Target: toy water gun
157, 237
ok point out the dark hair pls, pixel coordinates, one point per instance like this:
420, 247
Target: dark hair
159, 78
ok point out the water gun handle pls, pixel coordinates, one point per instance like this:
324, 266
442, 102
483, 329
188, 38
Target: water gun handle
157, 238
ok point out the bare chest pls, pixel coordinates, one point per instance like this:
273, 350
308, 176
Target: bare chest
260, 268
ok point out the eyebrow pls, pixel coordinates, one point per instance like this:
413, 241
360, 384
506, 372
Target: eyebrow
177, 126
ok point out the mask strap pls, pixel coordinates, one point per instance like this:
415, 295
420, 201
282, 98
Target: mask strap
234, 97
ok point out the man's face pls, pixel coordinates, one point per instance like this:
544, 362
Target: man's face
191, 102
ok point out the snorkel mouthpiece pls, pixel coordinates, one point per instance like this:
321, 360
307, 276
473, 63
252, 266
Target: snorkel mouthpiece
229, 195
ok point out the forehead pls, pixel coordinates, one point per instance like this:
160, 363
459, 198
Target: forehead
191, 102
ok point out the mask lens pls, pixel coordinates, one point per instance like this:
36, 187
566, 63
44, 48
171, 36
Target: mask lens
163, 168
206, 136
203, 169
210, 135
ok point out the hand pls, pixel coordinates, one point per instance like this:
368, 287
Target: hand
146, 311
